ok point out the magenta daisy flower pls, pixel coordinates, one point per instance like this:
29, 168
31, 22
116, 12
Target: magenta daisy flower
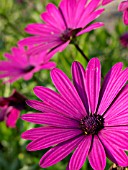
20, 65
61, 25
10, 108
84, 117
124, 8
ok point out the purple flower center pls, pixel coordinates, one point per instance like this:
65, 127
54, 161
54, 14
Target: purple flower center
69, 34
92, 124
28, 68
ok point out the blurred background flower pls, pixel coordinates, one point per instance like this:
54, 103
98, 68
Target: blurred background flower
124, 40
20, 65
10, 108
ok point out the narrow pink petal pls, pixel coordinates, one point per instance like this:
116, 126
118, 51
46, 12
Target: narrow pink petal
93, 77
97, 156
79, 156
54, 100
119, 106
91, 27
49, 108
80, 7
89, 9
121, 119
90, 18
35, 133
48, 140
116, 155
12, 118
41, 29
117, 128
113, 83
53, 17
49, 65
78, 75
59, 152
68, 91
117, 138
105, 2
51, 119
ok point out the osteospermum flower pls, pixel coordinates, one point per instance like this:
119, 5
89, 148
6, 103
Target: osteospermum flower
124, 40
84, 117
10, 108
20, 65
61, 25
124, 8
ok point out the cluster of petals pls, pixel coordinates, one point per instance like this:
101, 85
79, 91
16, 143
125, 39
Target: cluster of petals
124, 40
20, 65
10, 108
83, 116
124, 8
61, 25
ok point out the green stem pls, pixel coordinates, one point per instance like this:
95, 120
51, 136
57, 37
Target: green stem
81, 52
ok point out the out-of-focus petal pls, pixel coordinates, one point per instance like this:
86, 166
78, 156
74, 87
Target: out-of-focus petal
12, 118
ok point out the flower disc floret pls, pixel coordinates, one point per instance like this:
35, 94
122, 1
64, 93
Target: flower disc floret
92, 124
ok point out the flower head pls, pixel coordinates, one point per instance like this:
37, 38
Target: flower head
61, 25
20, 65
124, 40
124, 8
84, 117
10, 108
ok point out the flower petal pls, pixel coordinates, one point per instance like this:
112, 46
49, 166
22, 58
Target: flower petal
93, 77
79, 156
78, 75
35, 133
47, 141
119, 106
56, 101
68, 91
59, 152
91, 27
116, 155
97, 156
117, 138
12, 118
51, 119
113, 83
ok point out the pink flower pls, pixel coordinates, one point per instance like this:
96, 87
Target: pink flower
84, 117
61, 25
124, 40
20, 65
10, 108
124, 8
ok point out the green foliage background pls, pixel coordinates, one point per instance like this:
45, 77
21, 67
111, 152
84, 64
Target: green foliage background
14, 16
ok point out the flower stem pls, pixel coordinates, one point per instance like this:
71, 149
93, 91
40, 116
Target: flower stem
81, 52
